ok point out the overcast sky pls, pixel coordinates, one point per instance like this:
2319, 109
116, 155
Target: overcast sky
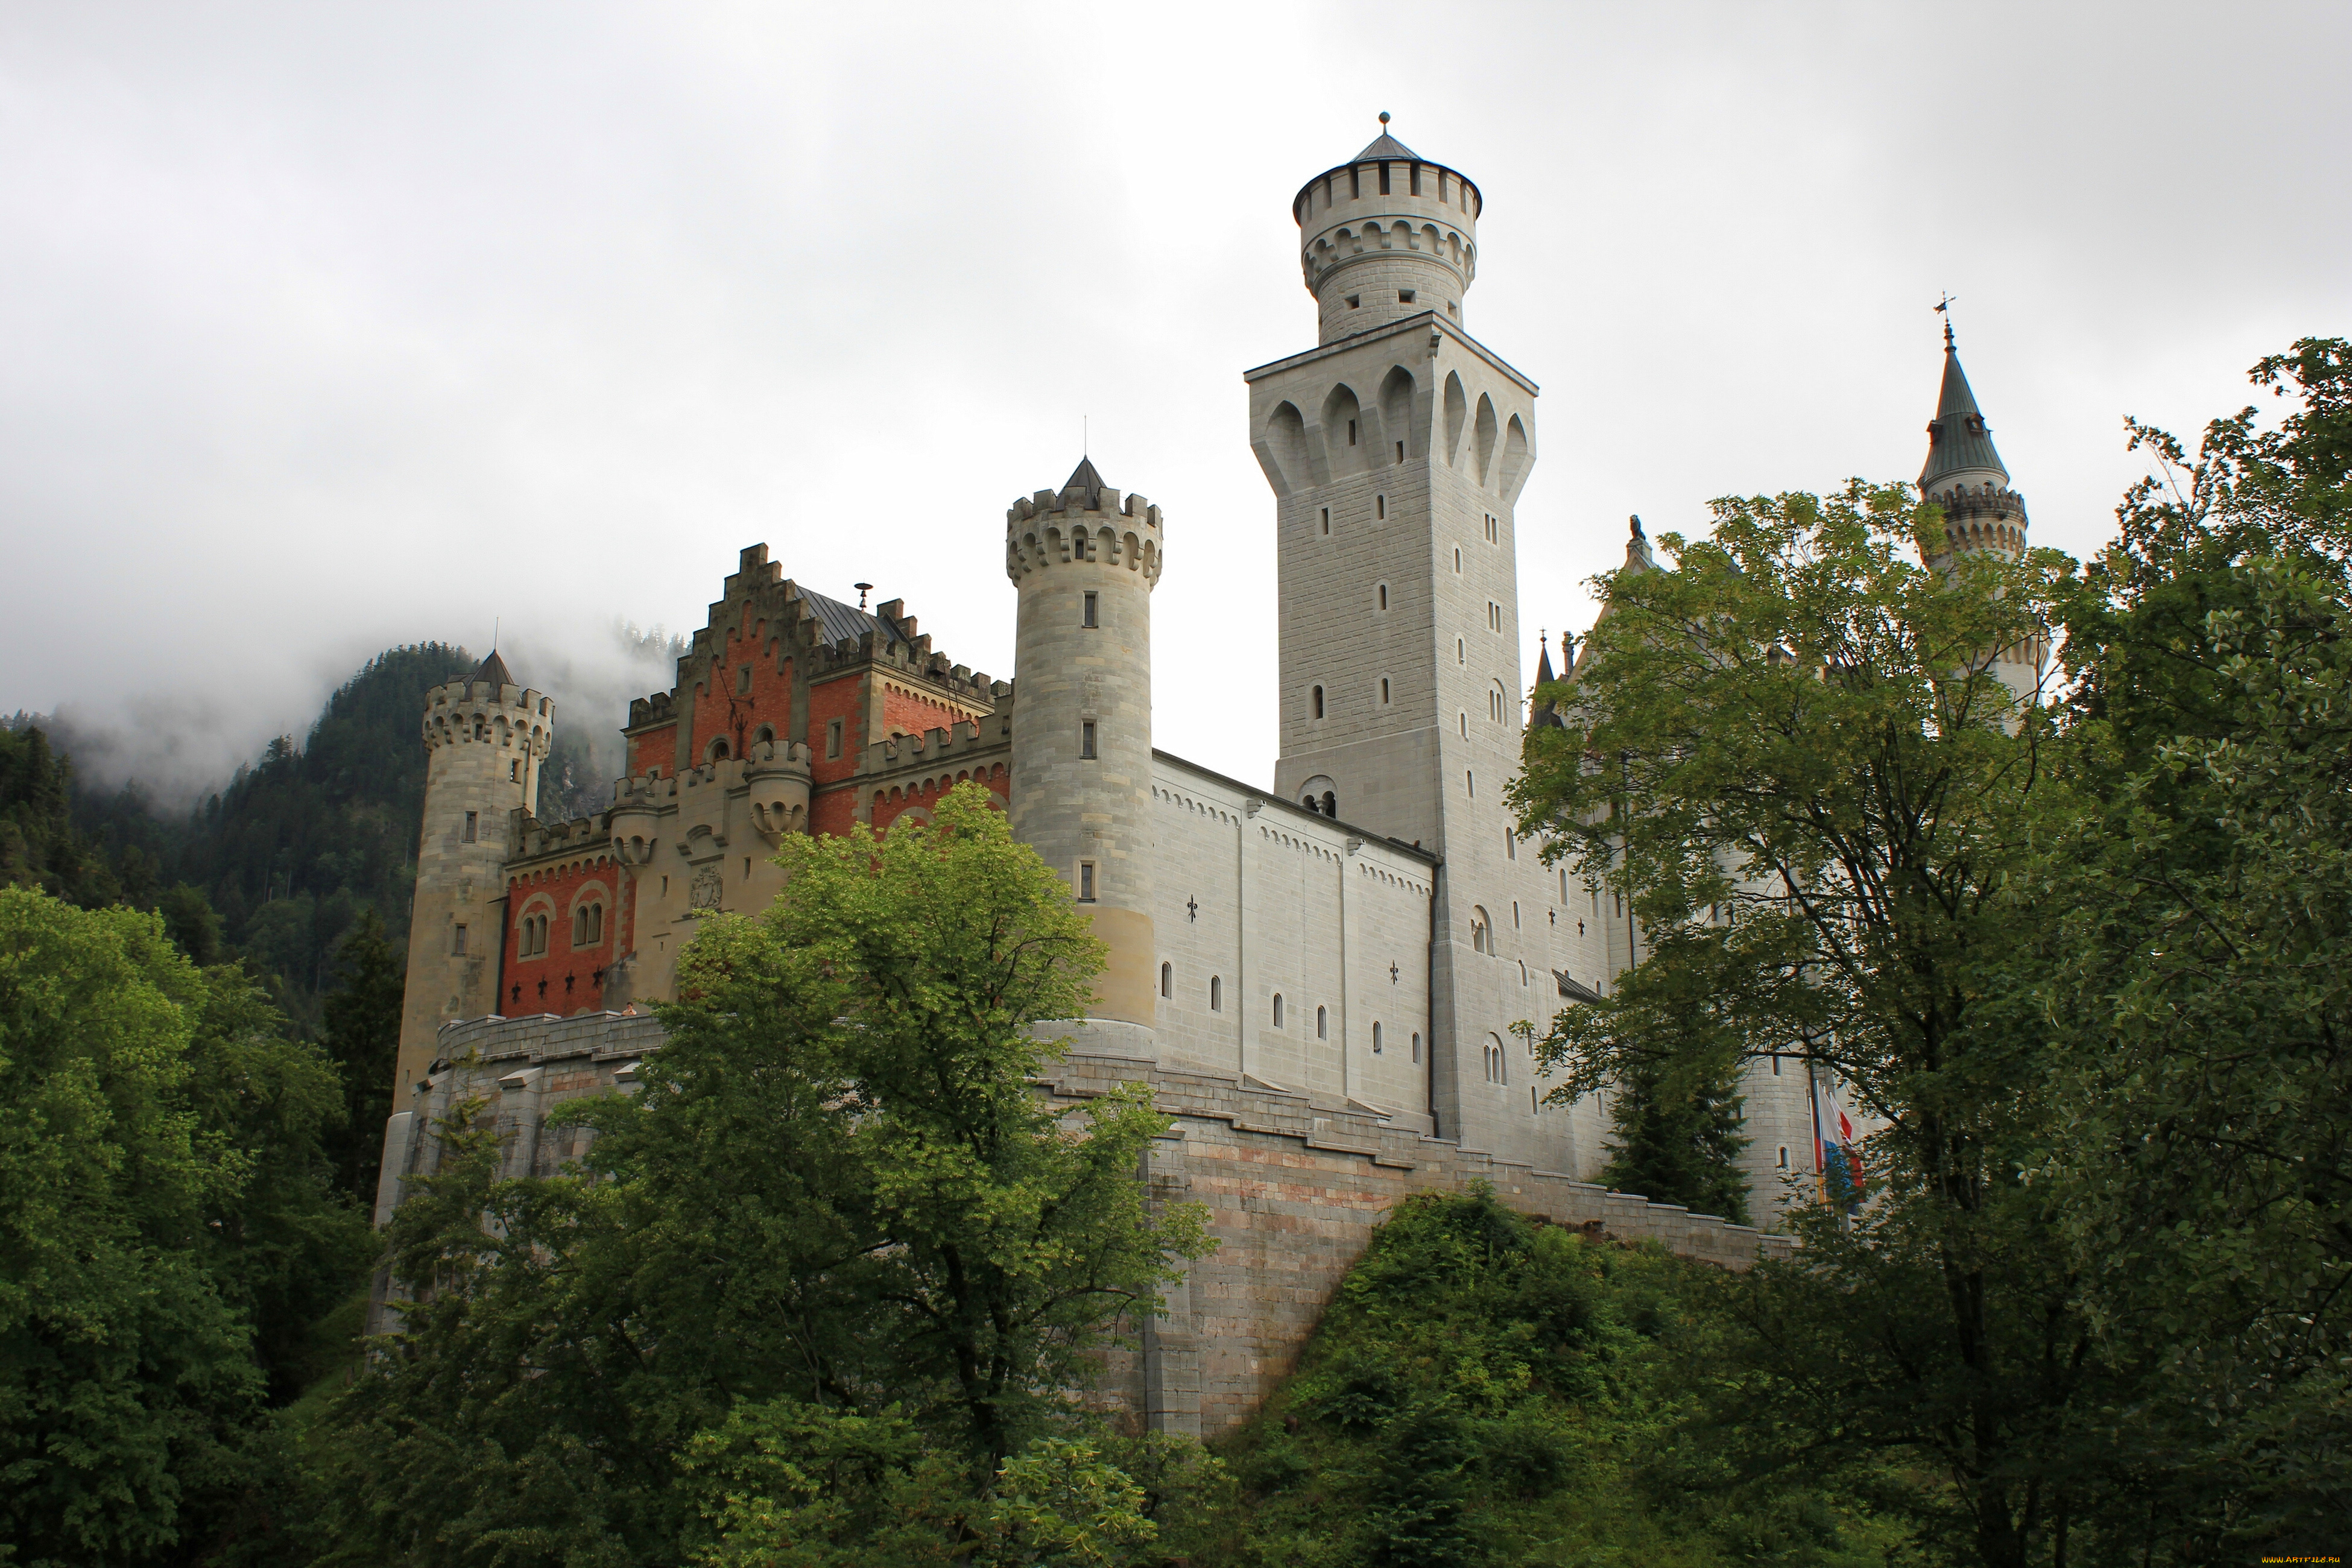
323, 328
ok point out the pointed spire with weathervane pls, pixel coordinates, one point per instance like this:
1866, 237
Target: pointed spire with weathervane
1964, 474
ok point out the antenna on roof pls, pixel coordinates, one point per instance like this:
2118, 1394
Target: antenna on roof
863, 588
1943, 308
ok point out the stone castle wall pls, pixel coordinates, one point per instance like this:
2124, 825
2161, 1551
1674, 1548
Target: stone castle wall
1294, 1184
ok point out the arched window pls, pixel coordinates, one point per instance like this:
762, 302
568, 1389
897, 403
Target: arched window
1416, 1044
1482, 933
1376, 1039
1277, 1009
1384, 595
1216, 994
1168, 980
1322, 1024
1330, 805
579, 926
1316, 702
1385, 691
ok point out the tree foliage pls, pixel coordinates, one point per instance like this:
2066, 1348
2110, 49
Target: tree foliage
167, 1233
838, 1187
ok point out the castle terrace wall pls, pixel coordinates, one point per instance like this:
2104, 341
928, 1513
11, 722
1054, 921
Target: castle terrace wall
1294, 1184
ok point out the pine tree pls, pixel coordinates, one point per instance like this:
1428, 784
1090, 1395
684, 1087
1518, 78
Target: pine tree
362, 1037
1678, 1143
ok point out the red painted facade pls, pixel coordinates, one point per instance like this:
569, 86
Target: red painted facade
566, 978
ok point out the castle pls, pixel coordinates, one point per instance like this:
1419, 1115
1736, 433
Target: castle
1318, 979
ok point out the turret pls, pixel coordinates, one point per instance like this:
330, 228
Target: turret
1084, 562
485, 739
1386, 236
1963, 476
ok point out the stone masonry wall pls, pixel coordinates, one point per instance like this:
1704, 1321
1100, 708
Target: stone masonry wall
1293, 1183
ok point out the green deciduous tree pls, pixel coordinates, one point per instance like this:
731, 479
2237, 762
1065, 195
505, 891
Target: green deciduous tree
837, 1187
167, 1233
1793, 753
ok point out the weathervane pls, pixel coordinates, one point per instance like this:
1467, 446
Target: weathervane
1943, 308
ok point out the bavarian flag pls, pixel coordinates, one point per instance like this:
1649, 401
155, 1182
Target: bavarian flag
1836, 1153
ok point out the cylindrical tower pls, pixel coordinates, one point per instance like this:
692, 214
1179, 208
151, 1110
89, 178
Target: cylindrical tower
1084, 564
485, 738
1386, 236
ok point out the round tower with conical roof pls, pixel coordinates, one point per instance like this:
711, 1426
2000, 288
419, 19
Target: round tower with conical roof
1385, 236
1085, 560
1964, 475
485, 739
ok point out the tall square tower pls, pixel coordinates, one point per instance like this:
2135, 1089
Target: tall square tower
1396, 448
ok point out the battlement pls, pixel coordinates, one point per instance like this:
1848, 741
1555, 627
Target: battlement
912, 659
1987, 517
644, 712
932, 748
1073, 524
465, 712
531, 840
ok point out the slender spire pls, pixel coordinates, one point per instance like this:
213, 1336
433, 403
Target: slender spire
1959, 440
1546, 714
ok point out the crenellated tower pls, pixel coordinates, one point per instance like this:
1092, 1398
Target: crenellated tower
485, 739
1983, 514
1085, 560
1964, 475
1386, 236
1397, 449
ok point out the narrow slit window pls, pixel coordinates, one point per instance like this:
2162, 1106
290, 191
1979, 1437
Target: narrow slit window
1087, 738
1384, 595
1317, 701
743, 680
1351, 432
1416, 1044
1168, 980
832, 739
1783, 1161
1460, 655
1470, 781
1381, 508
1277, 1009
1400, 451
473, 827
460, 947
1085, 881
1457, 561
1093, 616
1326, 520
1385, 691
1376, 1039
1322, 1024
1216, 993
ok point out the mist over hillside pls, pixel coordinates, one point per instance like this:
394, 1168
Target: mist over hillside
277, 858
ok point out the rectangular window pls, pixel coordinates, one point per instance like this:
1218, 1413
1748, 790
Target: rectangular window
1405, 296
1416, 179
1784, 1156
1087, 738
1384, 688
1351, 432
1384, 178
1092, 613
1416, 1044
1326, 520
832, 739
1355, 181
743, 680
1470, 782
1400, 451
460, 948
1380, 503
473, 824
1085, 881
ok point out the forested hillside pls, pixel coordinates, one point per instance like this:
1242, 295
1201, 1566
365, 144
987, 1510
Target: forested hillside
279, 865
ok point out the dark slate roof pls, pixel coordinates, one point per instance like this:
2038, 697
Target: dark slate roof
847, 622
1387, 146
494, 671
1083, 478
1958, 439
1546, 715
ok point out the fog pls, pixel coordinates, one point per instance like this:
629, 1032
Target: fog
331, 328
